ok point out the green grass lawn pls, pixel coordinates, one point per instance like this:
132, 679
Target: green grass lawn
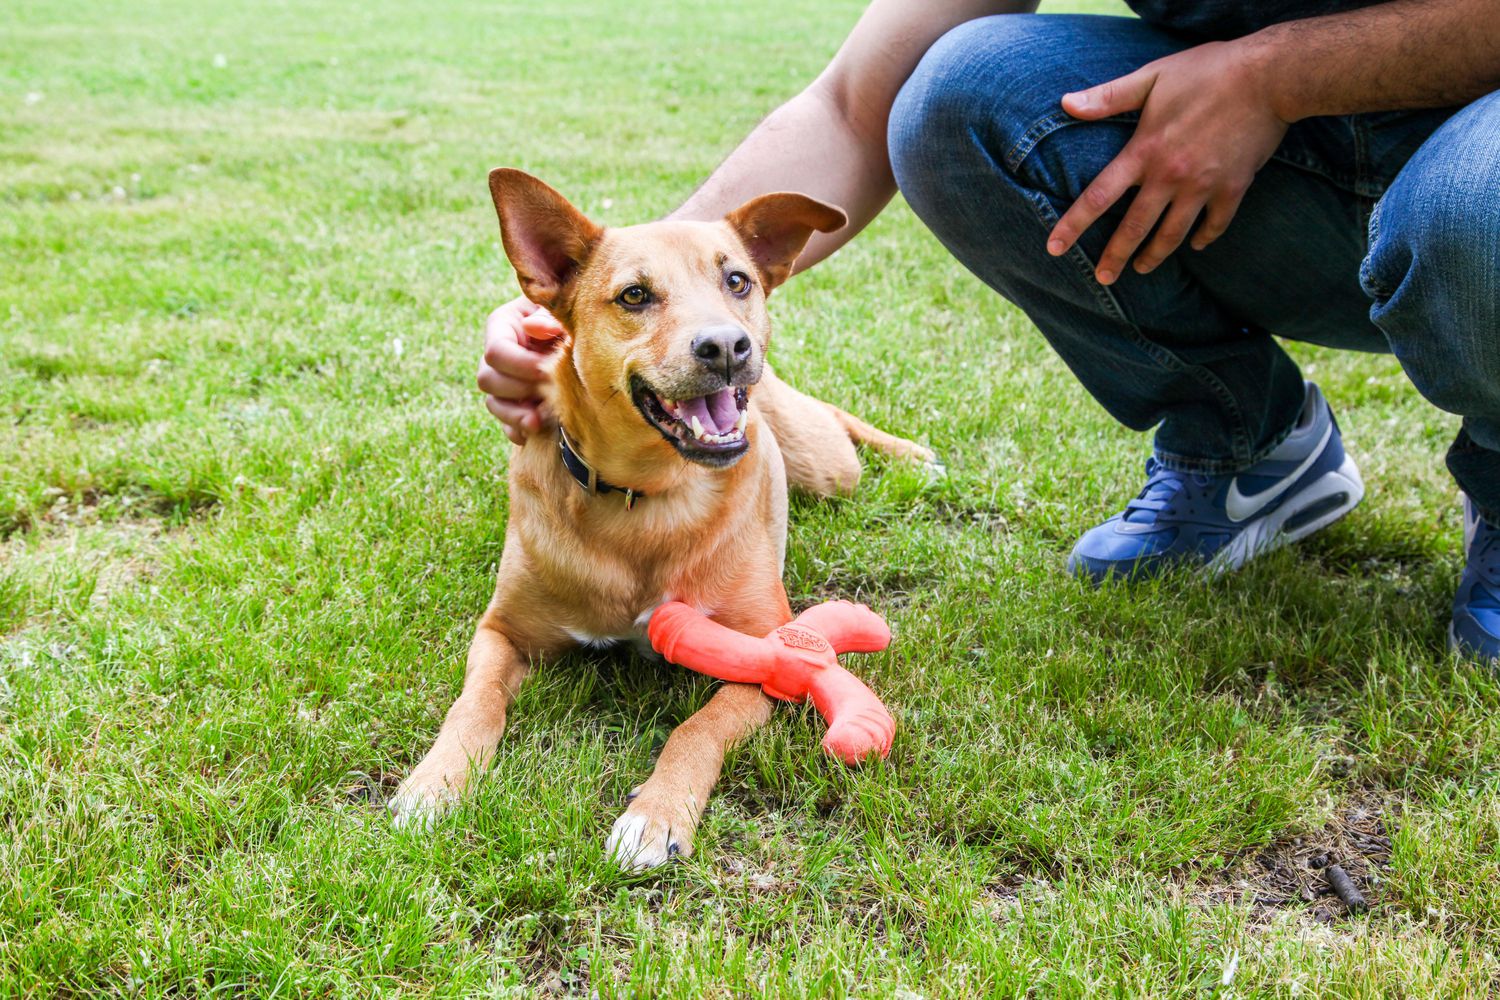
250, 506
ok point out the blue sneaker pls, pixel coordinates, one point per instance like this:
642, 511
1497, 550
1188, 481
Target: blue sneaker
1475, 631
1222, 522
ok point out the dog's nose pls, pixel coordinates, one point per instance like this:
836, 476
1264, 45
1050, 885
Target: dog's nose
722, 348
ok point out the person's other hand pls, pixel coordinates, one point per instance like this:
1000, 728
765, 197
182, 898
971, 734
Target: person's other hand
518, 338
1206, 127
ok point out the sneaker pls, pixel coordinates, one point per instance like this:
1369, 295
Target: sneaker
1222, 522
1475, 631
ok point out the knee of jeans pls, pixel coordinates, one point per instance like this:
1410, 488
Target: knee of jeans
966, 109
1434, 238
1433, 268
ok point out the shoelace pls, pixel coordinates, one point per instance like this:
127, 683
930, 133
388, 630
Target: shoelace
1163, 485
1484, 596
1486, 551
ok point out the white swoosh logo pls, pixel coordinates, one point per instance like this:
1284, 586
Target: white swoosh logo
1238, 507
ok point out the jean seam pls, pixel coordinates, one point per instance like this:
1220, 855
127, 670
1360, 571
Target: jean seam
1312, 166
1367, 180
1058, 119
1045, 126
1185, 463
1361, 144
1373, 285
1200, 466
1161, 355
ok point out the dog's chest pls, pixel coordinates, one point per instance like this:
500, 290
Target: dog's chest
607, 568
635, 634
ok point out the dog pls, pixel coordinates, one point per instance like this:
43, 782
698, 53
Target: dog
665, 479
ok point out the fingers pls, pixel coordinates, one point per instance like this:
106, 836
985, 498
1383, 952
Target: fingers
519, 419
1220, 211
502, 386
1112, 183
541, 327
1174, 228
504, 352
1152, 200
1113, 97
1147, 207
518, 340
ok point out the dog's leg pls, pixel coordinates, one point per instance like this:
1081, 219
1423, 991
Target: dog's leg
878, 440
471, 730
664, 812
817, 439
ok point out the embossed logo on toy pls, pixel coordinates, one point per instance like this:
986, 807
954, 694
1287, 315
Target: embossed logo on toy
798, 637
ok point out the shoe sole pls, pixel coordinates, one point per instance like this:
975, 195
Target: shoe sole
1313, 508
1467, 653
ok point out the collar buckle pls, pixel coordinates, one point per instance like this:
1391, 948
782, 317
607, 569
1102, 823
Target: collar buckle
586, 476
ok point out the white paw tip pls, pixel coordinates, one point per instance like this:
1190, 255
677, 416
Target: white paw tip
417, 811
630, 847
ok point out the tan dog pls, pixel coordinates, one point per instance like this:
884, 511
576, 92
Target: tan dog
683, 443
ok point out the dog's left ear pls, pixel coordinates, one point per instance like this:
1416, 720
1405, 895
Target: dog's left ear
545, 237
775, 228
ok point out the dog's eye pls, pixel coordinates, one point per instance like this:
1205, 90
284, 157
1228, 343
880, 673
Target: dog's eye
634, 297
738, 282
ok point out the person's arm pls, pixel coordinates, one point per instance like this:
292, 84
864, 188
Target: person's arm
830, 140
827, 142
1389, 57
1211, 116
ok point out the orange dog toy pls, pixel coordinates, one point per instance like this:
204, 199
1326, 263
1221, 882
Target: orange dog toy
797, 660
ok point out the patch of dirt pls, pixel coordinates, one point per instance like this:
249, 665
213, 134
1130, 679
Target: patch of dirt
95, 507
760, 878
117, 554
365, 788
1003, 898
1292, 873
889, 590
555, 961
1287, 878
987, 517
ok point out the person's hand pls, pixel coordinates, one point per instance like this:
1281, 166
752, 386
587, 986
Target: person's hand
1206, 127
518, 337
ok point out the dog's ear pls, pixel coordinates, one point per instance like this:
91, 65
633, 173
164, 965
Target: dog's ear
545, 237
775, 228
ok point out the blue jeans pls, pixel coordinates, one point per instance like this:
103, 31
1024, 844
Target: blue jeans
1375, 232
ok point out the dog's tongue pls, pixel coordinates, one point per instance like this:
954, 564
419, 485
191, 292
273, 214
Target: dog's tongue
718, 412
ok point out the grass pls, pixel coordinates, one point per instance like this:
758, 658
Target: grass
251, 506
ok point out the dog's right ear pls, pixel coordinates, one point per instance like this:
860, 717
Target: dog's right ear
545, 237
776, 227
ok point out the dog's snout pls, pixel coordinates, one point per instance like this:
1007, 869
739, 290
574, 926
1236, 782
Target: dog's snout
722, 348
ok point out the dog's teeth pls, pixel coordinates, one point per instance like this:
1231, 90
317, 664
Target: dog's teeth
739, 424
697, 426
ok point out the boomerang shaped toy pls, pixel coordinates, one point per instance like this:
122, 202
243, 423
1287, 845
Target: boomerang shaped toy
797, 660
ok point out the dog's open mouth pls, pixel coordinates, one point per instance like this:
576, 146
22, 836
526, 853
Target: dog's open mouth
710, 429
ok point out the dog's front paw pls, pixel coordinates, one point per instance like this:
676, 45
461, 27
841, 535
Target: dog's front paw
655, 829
933, 467
422, 800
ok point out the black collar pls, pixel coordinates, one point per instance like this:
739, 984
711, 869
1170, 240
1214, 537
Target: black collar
584, 473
